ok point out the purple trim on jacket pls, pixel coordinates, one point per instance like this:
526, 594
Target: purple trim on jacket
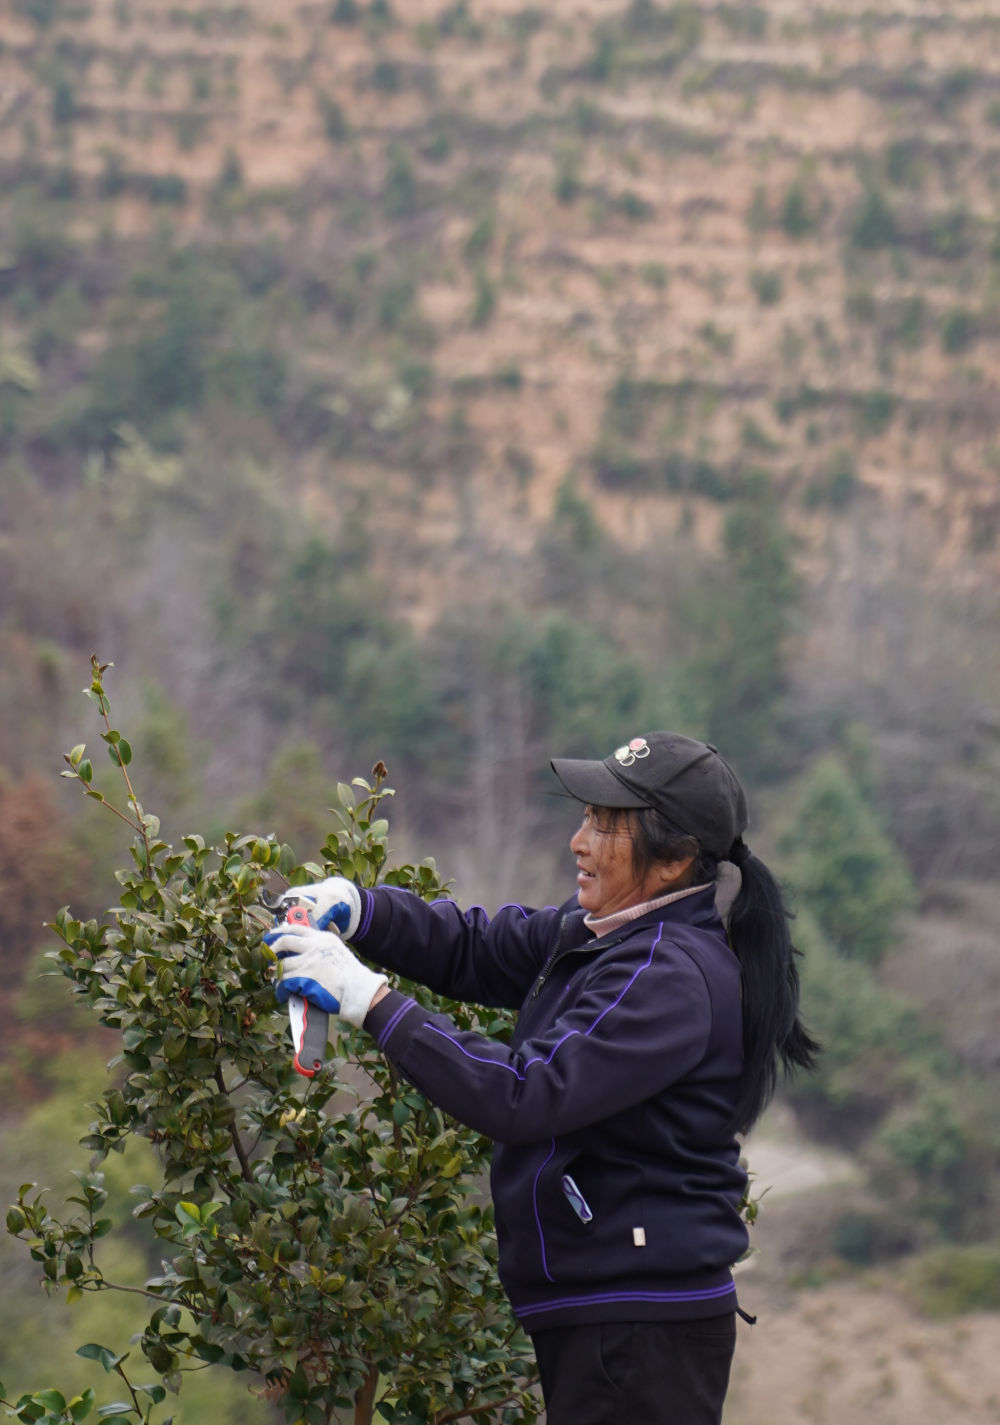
633, 1043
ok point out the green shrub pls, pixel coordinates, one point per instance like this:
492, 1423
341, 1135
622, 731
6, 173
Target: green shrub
876, 412
165, 188
509, 376
955, 86
758, 215
952, 1281
485, 302
190, 130
479, 239
567, 183
930, 1154
63, 101
335, 124
873, 223
864, 1236
655, 275
767, 286
797, 217
400, 191
230, 177
40, 12
948, 235
617, 466
912, 319
904, 164
754, 437
632, 206
387, 77
860, 305
838, 483
601, 64
749, 21
396, 302
279, 1214
958, 330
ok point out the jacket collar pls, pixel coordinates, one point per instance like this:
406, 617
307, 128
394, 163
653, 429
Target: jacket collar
617, 920
696, 909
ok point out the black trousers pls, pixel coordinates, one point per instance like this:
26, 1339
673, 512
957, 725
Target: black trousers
636, 1372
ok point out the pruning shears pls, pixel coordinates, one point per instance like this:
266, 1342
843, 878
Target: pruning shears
309, 1025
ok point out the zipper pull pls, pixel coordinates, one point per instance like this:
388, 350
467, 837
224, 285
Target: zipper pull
551, 960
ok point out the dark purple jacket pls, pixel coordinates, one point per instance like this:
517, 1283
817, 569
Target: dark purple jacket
616, 1176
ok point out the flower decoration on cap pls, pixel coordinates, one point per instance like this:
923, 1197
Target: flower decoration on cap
632, 751
687, 781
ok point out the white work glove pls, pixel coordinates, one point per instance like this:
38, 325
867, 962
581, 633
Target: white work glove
335, 904
317, 965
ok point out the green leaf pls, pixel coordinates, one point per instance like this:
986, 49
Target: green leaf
92, 1352
81, 1405
188, 1215
51, 1399
125, 752
156, 1393
118, 1408
29, 1410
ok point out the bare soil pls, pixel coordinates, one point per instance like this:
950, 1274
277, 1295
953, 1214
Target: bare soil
851, 1348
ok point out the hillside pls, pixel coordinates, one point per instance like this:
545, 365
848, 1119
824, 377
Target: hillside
463, 384
651, 245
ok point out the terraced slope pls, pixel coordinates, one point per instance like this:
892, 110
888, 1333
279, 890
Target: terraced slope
659, 247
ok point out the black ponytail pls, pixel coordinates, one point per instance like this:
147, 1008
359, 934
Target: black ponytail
773, 1033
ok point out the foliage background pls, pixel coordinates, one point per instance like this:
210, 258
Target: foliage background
463, 384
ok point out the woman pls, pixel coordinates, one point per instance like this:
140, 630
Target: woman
646, 1041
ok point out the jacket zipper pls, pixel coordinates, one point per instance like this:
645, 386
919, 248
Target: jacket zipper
552, 958
559, 953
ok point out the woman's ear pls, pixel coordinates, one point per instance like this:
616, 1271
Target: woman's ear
675, 875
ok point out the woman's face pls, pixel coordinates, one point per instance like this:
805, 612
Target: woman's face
606, 875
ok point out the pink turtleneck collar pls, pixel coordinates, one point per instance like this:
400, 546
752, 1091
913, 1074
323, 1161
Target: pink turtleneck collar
606, 924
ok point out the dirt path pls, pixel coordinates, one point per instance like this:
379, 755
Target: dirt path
849, 1350
852, 1353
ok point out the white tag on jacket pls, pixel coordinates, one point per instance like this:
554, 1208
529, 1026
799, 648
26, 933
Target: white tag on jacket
638, 1236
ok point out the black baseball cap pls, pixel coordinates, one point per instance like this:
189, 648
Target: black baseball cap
687, 781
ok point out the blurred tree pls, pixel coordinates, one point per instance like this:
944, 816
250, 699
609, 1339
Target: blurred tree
874, 1040
842, 863
742, 615
38, 867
